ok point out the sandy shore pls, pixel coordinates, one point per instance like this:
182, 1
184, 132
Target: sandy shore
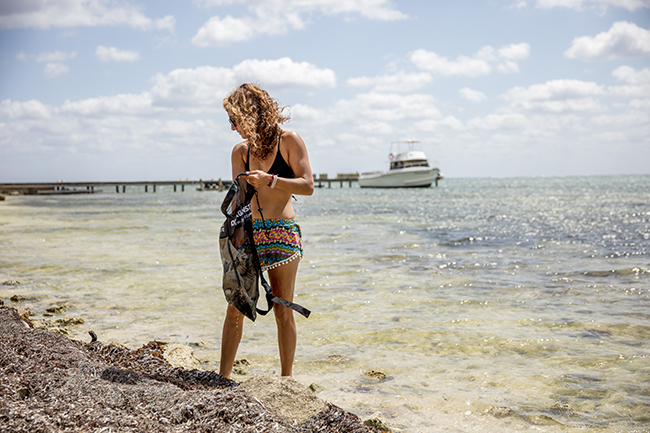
51, 383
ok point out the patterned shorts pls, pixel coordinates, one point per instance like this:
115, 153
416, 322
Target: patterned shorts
278, 241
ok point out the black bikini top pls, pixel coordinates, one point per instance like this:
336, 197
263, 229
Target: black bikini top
279, 167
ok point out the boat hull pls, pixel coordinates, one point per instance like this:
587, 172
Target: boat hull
415, 177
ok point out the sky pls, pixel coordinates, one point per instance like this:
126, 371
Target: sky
132, 90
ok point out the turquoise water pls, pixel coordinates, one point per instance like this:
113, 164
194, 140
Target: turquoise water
490, 304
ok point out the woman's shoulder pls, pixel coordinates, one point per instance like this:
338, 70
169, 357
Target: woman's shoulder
291, 138
240, 148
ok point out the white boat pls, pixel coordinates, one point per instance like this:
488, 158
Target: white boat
409, 168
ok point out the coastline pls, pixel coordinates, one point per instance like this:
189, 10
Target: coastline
49, 382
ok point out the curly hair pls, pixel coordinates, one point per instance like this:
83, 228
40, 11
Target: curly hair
258, 115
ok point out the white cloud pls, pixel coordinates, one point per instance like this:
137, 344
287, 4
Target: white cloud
55, 57
514, 51
202, 86
55, 65
284, 72
207, 85
623, 39
557, 96
499, 122
377, 110
53, 70
630, 75
631, 5
74, 13
472, 95
371, 9
223, 31
480, 64
273, 17
636, 84
463, 65
118, 105
24, 110
112, 54
398, 82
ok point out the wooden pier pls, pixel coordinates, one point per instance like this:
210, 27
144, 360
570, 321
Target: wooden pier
46, 188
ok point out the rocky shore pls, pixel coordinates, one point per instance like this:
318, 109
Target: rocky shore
51, 383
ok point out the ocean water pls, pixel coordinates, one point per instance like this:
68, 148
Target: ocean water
489, 305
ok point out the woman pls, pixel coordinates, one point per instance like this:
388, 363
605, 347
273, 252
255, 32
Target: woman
276, 164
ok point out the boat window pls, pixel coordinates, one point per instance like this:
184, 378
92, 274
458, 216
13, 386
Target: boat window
412, 163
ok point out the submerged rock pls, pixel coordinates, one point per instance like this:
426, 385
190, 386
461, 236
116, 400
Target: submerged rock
11, 283
373, 374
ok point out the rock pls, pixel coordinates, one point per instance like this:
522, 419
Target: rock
68, 321
314, 387
17, 298
378, 424
25, 314
336, 359
563, 409
284, 396
57, 309
179, 355
373, 374
11, 283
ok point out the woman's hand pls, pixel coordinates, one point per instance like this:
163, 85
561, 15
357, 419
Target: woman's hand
258, 178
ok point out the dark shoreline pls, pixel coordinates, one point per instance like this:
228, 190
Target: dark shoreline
50, 383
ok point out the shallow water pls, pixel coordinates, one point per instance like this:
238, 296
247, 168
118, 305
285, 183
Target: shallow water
490, 304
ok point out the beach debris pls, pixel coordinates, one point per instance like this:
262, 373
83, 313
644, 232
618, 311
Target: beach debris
378, 424
11, 283
117, 375
93, 336
49, 382
374, 374
149, 361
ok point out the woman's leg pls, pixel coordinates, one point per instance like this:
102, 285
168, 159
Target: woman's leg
283, 282
233, 326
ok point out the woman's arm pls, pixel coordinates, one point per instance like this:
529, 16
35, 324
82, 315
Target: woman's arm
303, 184
237, 159
298, 160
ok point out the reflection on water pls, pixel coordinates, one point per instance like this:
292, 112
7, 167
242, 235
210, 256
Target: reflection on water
489, 304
